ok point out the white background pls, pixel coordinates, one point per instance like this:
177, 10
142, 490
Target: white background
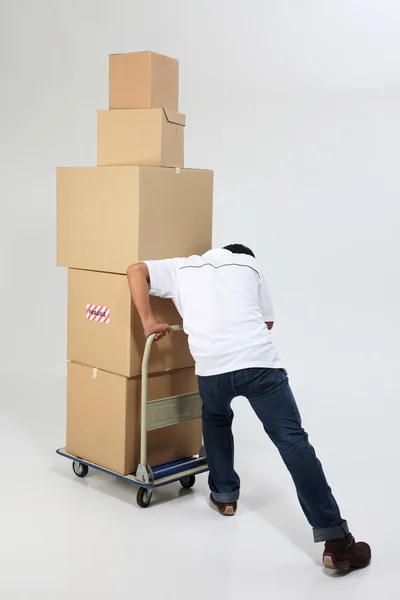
296, 106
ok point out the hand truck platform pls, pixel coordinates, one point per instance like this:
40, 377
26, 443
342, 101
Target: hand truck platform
184, 471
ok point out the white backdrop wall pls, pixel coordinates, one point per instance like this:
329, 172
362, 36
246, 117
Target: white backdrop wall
296, 106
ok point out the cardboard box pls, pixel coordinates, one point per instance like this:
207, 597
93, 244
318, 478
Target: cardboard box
105, 331
111, 217
152, 137
103, 419
144, 80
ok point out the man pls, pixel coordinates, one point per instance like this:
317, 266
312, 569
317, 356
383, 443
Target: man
227, 313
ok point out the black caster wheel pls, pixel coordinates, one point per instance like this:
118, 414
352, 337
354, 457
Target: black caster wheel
144, 497
188, 482
79, 469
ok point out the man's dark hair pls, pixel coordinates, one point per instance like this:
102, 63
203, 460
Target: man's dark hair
239, 249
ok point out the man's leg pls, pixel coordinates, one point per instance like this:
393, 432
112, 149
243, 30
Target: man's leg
217, 395
270, 395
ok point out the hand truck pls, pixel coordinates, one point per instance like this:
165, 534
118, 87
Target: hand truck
155, 415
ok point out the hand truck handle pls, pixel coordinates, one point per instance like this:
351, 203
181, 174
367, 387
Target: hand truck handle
145, 373
148, 346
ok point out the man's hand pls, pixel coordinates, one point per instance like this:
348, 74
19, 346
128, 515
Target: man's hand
159, 328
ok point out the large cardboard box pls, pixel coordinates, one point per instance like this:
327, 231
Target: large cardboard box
103, 418
152, 137
143, 80
105, 331
111, 217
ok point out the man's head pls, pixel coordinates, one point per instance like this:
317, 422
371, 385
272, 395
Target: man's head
239, 249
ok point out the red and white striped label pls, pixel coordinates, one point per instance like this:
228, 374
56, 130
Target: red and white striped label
97, 313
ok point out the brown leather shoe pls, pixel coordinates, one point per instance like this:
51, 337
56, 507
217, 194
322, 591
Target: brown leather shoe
226, 510
346, 554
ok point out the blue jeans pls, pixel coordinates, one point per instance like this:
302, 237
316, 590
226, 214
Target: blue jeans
271, 398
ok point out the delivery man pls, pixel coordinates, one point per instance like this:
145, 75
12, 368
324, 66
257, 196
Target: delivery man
227, 313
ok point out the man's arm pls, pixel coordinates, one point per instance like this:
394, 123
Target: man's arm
266, 303
139, 280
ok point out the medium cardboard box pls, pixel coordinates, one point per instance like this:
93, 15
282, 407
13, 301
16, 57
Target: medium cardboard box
103, 419
143, 80
105, 331
111, 217
152, 137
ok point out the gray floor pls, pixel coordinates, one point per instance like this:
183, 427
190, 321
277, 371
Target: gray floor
63, 537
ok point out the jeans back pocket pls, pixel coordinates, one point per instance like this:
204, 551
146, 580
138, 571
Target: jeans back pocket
265, 380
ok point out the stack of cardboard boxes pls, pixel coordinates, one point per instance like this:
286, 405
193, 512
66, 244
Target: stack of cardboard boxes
139, 203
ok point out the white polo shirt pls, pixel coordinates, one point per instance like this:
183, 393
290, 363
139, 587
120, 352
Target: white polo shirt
224, 303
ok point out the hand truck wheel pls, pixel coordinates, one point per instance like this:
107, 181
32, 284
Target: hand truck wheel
188, 482
80, 469
144, 497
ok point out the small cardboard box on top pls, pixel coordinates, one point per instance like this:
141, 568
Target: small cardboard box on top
152, 137
103, 418
111, 217
105, 331
143, 80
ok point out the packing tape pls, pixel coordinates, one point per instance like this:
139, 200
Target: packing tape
94, 373
177, 170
